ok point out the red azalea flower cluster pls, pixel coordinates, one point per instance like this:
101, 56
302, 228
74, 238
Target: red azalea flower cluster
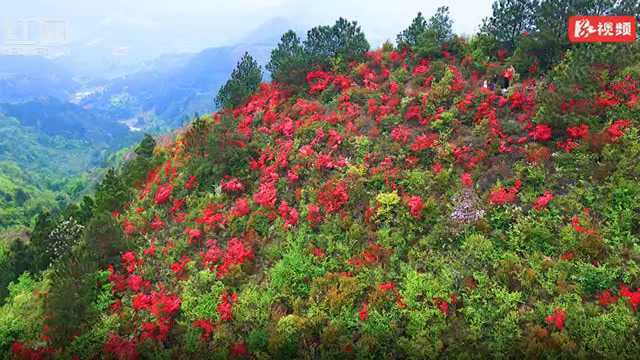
391, 287
317, 252
616, 129
266, 194
19, 351
206, 326
178, 267
318, 81
632, 296
241, 207
541, 132
415, 206
225, 307
424, 141
314, 217
568, 256
372, 255
239, 350
120, 348
577, 226
288, 214
191, 183
466, 180
212, 216
502, 195
578, 132
236, 254
443, 305
543, 200
401, 134
157, 224
232, 185
363, 314
163, 193
557, 318
333, 195
130, 262
413, 113
163, 307
606, 298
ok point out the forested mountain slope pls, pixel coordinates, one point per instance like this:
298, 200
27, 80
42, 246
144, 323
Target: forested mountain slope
383, 204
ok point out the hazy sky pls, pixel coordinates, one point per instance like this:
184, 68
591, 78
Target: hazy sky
160, 26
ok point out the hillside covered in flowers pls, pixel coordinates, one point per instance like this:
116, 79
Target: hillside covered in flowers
398, 205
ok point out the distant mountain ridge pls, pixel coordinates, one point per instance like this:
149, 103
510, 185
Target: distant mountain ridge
25, 78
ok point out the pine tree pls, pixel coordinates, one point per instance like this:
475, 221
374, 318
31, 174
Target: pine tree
112, 192
426, 37
146, 146
289, 63
244, 80
409, 37
104, 236
509, 19
37, 249
344, 41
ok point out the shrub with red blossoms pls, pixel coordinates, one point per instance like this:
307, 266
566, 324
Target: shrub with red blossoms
288, 214
415, 206
318, 81
266, 195
413, 113
236, 254
333, 195
157, 224
238, 350
502, 195
120, 348
466, 180
606, 298
363, 314
616, 129
232, 185
191, 183
567, 145
578, 132
314, 217
128, 227
206, 326
632, 296
129, 261
401, 134
225, 307
541, 132
342, 82
241, 207
557, 319
317, 252
543, 200
212, 216
163, 305
577, 225
193, 235
424, 141
163, 193
135, 282
442, 305
178, 267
